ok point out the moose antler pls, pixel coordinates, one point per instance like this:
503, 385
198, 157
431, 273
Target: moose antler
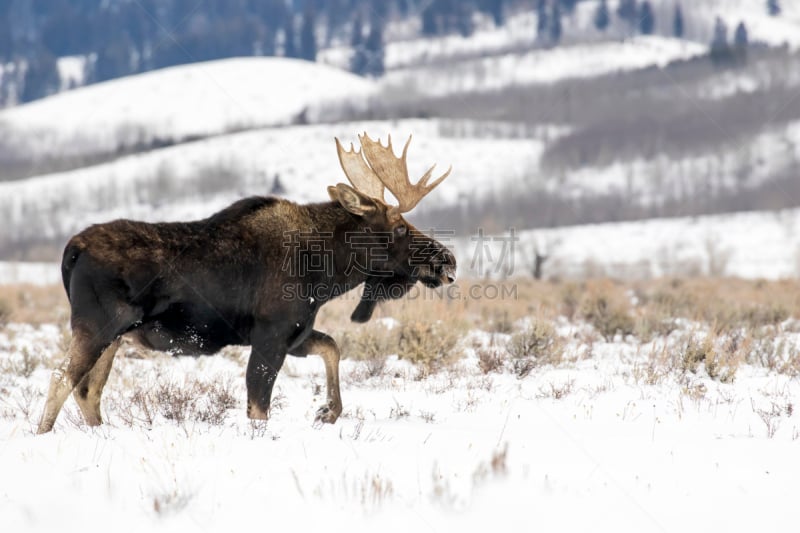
373, 167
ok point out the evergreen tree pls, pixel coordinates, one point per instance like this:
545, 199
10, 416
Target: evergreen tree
114, 60
335, 18
373, 47
555, 24
61, 29
677, 22
6, 42
358, 62
568, 5
647, 20
740, 42
601, 17
542, 18
308, 39
495, 9
464, 18
403, 8
41, 76
289, 39
773, 8
626, 10
380, 11
277, 187
720, 50
740, 39
430, 26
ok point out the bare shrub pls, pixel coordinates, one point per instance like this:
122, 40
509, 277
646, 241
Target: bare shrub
497, 466
430, 345
369, 342
147, 409
727, 358
370, 345
428, 416
490, 359
694, 352
398, 412
23, 364
170, 502
770, 417
768, 350
23, 402
654, 323
570, 299
608, 309
5, 312
537, 344
556, 391
764, 315
500, 322
196, 401
719, 357
217, 399
175, 402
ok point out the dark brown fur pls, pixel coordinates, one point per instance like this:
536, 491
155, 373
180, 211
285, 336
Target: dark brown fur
235, 278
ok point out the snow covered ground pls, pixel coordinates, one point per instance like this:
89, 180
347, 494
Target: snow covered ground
189, 100
587, 444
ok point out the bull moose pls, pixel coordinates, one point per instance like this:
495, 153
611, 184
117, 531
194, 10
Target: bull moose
195, 287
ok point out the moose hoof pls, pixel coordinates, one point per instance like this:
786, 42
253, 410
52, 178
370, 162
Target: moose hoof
327, 414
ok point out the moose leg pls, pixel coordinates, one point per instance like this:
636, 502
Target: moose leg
84, 351
88, 392
262, 369
325, 346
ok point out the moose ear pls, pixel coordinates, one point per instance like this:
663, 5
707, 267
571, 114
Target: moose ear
352, 200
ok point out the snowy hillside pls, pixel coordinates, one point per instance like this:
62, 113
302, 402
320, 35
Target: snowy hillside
539, 66
777, 31
193, 180
175, 103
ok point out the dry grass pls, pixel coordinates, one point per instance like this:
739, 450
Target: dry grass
5, 312
537, 344
607, 307
743, 322
491, 359
369, 342
725, 304
33, 304
193, 401
429, 345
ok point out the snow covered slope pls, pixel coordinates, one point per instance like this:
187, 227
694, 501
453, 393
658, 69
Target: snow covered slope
583, 60
193, 180
190, 100
777, 31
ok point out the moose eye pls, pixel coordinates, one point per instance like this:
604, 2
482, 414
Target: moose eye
401, 230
